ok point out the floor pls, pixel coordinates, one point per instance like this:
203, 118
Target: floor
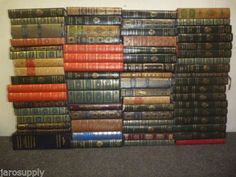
152, 161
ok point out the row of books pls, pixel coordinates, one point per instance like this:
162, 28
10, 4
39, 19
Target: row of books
162, 72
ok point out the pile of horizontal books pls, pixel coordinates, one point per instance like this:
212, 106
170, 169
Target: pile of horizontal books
204, 51
93, 57
38, 90
107, 77
146, 84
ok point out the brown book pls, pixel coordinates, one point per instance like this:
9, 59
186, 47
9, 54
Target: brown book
37, 41
149, 41
94, 125
147, 100
145, 74
204, 13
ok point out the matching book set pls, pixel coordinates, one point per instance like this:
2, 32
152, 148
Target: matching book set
109, 77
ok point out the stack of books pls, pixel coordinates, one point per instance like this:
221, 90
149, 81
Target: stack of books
93, 59
146, 85
204, 51
38, 90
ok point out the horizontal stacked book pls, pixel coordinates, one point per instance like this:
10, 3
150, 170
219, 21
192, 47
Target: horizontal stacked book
204, 51
38, 90
93, 58
146, 85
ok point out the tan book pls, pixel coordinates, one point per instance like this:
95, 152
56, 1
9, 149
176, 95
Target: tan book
147, 100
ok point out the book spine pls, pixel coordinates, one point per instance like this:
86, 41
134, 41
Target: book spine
148, 129
147, 122
202, 22
88, 107
58, 125
151, 115
93, 30
94, 67
149, 32
149, 58
37, 31
148, 23
199, 97
147, 100
207, 13
96, 125
93, 20
146, 82
148, 136
42, 119
150, 67
54, 140
222, 37
90, 57
94, 97
93, 84
110, 114
93, 11
37, 42
155, 107
198, 135
96, 143
92, 75
39, 12
36, 88
96, 136
36, 104
37, 79
37, 54
205, 46
93, 40
37, 96
145, 74
198, 142
199, 89
146, 92
36, 48
154, 41
204, 53
200, 74
201, 104
43, 130
41, 111
211, 61
149, 50
156, 14
201, 120
37, 20
148, 142
55, 62
221, 68
199, 128
39, 71
93, 48
202, 81
200, 112
204, 29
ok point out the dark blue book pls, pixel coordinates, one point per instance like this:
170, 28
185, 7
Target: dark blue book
96, 135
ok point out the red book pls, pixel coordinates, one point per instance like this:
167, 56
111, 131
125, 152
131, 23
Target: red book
37, 96
93, 48
93, 57
200, 141
19, 88
94, 67
37, 41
